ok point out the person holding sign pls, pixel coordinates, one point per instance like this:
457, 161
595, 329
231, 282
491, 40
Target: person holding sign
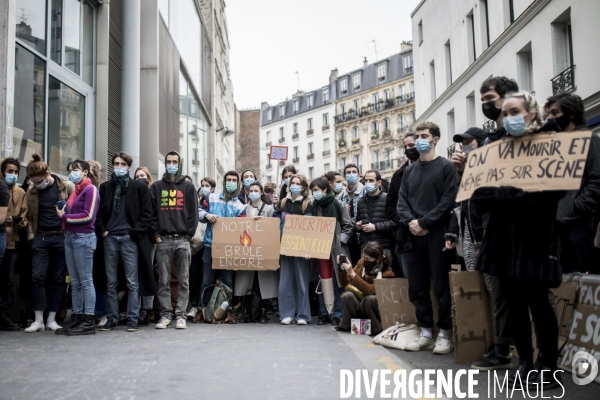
427, 196
293, 297
520, 248
267, 280
286, 175
326, 205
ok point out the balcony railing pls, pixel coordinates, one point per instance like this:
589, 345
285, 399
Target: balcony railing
356, 141
408, 71
565, 81
268, 144
402, 129
341, 143
310, 132
295, 136
269, 166
296, 160
375, 135
489, 126
382, 165
326, 153
325, 127
281, 139
373, 108
310, 157
387, 134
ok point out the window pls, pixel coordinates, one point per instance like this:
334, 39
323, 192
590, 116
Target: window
327, 167
296, 155
402, 121
343, 109
375, 98
355, 132
432, 80
326, 144
408, 64
562, 44
525, 68
269, 114
420, 32
309, 124
386, 124
343, 86
356, 105
268, 159
471, 37
448, 64
388, 156
311, 101
471, 110
310, 148
413, 115
343, 135
509, 13
381, 73
412, 86
282, 111
375, 126
296, 106
281, 133
31, 24
311, 173
485, 24
295, 127
401, 90
343, 162
356, 80
268, 136
325, 96
357, 160
376, 158
451, 128
387, 94
326, 119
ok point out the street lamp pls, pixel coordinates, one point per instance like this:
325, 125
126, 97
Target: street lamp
227, 131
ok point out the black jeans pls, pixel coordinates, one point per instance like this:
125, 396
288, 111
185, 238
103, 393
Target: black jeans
522, 297
576, 246
7, 268
196, 278
429, 263
48, 253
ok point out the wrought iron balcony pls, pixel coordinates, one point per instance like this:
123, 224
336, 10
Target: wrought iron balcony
565, 81
296, 160
375, 135
295, 136
310, 132
382, 165
342, 143
489, 126
325, 127
408, 71
373, 108
281, 139
387, 134
268, 144
356, 141
310, 157
326, 153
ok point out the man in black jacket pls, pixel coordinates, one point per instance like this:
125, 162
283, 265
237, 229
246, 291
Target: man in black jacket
372, 220
123, 220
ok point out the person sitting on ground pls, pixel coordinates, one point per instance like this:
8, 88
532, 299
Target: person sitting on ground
375, 264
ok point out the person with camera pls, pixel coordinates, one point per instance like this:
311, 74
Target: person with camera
359, 299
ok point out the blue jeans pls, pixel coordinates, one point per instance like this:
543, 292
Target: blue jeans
48, 253
100, 305
338, 307
79, 252
209, 276
113, 247
293, 296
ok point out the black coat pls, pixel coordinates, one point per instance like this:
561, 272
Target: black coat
372, 209
139, 215
391, 201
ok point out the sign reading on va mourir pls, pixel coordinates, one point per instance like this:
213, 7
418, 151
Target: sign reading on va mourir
246, 244
535, 163
307, 236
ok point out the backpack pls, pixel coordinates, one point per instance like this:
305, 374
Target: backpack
304, 204
221, 293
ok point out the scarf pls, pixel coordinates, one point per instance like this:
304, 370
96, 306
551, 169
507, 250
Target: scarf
78, 188
327, 201
120, 183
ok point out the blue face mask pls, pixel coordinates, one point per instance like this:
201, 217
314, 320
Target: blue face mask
231, 187
248, 182
286, 181
423, 145
120, 172
254, 196
11, 179
352, 178
338, 187
75, 177
205, 191
515, 125
317, 194
172, 169
295, 189
370, 187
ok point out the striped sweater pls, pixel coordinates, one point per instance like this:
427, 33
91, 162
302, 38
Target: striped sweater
83, 213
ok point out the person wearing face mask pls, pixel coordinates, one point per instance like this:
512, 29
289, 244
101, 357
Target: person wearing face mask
286, 174
520, 248
78, 216
350, 197
371, 219
123, 222
375, 264
45, 234
265, 283
427, 196
16, 219
336, 182
227, 205
174, 223
271, 191
577, 209
326, 205
248, 177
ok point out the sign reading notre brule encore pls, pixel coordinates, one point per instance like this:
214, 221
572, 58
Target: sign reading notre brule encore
307, 236
535, 163
246, 244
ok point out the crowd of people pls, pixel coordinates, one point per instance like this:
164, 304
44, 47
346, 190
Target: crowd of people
128, 251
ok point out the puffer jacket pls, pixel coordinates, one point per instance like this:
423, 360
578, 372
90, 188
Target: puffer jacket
372, 209
221, 206
65, 188
366, 284
17, 205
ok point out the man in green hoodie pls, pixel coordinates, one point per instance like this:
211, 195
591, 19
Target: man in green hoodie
174, 223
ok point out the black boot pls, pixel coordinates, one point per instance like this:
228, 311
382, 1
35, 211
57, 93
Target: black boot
75, 321
144, 318
87, 327
263, 316
7, 325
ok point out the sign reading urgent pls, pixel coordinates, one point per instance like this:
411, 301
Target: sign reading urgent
554, 161
307, 236
245, 244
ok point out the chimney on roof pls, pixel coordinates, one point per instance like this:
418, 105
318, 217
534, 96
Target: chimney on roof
333, 76
365, 62
405, 45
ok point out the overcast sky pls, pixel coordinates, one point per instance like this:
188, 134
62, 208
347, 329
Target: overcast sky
271, 39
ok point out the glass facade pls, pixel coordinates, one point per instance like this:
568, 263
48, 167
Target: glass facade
31, 24
187, 34
192, 132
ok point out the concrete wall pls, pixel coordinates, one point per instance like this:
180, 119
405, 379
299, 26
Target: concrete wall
247, 140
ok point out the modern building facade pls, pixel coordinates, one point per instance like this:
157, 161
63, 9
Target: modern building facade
545, 45
374, 108
305, 125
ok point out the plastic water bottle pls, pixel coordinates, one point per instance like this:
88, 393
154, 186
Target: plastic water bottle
220, 312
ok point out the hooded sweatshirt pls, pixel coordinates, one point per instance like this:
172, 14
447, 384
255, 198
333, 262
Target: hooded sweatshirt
176, 211
224, 206
243, 192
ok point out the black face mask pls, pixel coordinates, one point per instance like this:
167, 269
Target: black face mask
563, 121
143, 180
412, 154
371, 267
490, 111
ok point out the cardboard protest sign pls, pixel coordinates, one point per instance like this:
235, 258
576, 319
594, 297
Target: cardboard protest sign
246, 244
307, 236
394, 303
532, 163
584, 334
471, 316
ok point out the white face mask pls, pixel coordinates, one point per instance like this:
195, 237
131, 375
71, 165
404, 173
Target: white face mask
42, 185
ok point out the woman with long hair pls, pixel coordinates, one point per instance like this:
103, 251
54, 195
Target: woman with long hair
336, 182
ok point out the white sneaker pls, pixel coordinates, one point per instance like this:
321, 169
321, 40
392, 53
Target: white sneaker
301, 322
181, 324
35, 327
286, 321
102, 322
52, 326
420, 343
443, 345
164, 323
192, 314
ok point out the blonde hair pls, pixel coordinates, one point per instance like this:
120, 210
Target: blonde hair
37, 166
95, 171
303, 183
146, 171
531, 105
